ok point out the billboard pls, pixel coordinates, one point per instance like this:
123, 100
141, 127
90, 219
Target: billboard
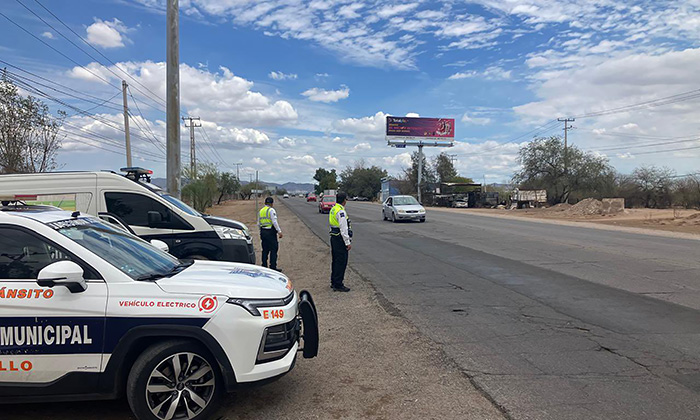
426, 128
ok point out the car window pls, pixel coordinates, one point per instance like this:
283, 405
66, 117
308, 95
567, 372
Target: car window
405, 201
131, 255
388, 202
133, 209
329, 199
23, 254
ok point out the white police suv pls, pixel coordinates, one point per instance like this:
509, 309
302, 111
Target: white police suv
88, 311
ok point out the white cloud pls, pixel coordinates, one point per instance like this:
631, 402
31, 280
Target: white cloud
48, 35
327, 96
360, 147
332, 161
107, 34
288, 142
374, 125
413, 115
393, 10
278, 75
402, 160
220, 96
307, 160
475, 120
258, 161
491, 73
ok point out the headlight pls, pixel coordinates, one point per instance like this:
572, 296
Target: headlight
402, 211
225, 232
252, 305
421, 211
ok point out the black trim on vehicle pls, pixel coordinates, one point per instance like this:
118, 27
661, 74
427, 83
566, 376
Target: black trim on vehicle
138, 338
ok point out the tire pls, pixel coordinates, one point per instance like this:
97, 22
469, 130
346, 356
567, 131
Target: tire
422, 220
393, 217
197, 399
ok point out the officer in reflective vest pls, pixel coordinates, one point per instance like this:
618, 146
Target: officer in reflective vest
341, 238
269, 231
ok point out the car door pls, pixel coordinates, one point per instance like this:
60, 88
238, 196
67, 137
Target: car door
387, 206
47, 334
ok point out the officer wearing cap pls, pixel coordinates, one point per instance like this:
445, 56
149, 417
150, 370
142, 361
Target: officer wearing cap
269, 231
341, 238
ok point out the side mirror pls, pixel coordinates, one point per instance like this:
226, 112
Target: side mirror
63, 273
155, 219
160, 245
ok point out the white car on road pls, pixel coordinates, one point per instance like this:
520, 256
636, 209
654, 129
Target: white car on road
402, 207
88, 311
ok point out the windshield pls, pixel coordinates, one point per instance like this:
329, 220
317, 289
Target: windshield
133, 256
329, 199
405, 201
181, 205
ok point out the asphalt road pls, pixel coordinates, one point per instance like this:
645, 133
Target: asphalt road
550, 321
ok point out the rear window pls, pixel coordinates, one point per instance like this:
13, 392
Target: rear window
329, 199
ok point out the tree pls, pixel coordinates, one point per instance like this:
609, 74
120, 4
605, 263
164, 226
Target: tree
200, 192
327, 180
247, 189
687, 192
411, 173
362, 181
29, 134
280, 191
654, 185
585, 175
444, 169
228, 185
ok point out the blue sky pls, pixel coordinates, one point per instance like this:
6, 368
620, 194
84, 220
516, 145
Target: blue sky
287, 86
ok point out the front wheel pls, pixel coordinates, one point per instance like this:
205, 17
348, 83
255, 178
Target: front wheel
393, 217
422, 220
175, 379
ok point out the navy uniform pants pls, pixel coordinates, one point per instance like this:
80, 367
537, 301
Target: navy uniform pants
339, 252
270, 245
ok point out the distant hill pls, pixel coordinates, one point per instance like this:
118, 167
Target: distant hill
289, 186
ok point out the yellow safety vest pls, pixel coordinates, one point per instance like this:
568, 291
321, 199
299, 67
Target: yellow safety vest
332, 219
264, 219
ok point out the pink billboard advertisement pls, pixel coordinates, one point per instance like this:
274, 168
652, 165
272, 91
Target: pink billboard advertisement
420, 127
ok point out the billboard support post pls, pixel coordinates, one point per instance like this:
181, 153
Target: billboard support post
416, 131
420, 170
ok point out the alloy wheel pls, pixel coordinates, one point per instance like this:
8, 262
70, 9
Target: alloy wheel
180, 387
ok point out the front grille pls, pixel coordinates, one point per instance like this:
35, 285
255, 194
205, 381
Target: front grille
411, 211
277, 341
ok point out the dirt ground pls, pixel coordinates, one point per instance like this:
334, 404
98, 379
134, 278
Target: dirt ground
682, 221
372, 363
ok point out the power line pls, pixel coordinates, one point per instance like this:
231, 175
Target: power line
59, 52
90, 45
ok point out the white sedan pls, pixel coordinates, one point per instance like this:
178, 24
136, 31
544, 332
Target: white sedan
402, 207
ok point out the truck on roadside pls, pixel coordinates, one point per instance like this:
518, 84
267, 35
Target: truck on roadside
528, 198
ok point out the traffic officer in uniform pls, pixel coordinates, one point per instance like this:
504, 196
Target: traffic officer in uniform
269, 231
341, 237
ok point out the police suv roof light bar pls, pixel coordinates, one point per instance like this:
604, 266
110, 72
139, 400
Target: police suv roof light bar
136, 173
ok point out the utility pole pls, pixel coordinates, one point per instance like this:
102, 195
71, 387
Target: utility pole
420, 170
172, 89
237, 166
256, 195
567, 127
453, 159
193, 149
126, 125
